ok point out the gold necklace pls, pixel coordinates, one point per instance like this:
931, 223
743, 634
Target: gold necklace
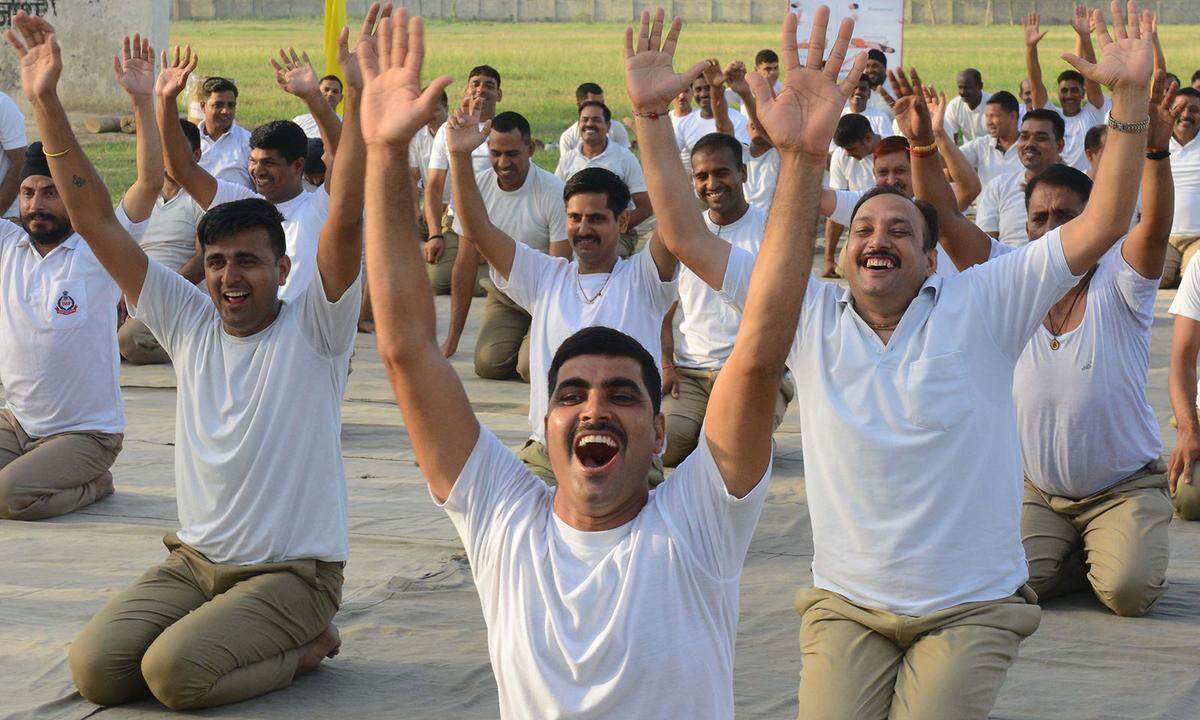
1083, 287
583, 293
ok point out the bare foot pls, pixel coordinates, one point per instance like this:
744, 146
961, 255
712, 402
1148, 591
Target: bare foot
325, 645
366, 326
104, 485
830, 270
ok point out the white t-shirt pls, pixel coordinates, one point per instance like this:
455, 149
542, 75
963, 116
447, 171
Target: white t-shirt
881, 122
258, 452
532, 214
691, 127
12, 137
1187, 300
961, 118
614, 157
308, 124
303, 218
842, 214
1185, 171
1077, 126
631, 299
984, 154
170, 236
911, 453
439, 159
58, 332
634, 622
762, 174
418, 157
849, 173
228, 157
569, 140
1085, 423
708, 325
1001, 208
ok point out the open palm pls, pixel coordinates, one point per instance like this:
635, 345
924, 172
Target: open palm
649, 76
41, 61
464, 133
1128, 60
912, 107
134, 67
393, 106
365, 49
295, 74
173, 73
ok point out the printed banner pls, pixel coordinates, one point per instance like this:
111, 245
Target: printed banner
878, 25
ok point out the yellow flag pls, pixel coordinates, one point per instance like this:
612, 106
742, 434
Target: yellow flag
335, 20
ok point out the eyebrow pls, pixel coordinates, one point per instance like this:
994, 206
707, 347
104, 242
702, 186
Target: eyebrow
606, 384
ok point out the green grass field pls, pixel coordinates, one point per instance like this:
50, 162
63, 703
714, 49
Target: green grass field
541, 63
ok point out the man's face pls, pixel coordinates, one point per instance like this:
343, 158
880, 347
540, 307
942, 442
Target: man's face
592, 229
440, 114
970, 89
220, 109
484, 90
592, 97
602, 434
1000, 123
864, 147
1070, 96
860, 96
718, 177
875, 72
885, 255
1051, 206
274, 177
1094, 156
43, 214
243, 277
894, 169
684, 99
1037, 147
332, 90
593, 128
1189, 121
510, 157
769, 70
1026, 93
701, 91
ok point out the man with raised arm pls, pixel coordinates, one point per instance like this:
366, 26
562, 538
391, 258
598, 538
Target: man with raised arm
901, 378
334, 92
1095, 509
1185, 165
245, 599
62, 421
996, 153
572, 579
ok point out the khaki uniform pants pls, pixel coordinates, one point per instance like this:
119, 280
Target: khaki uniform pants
197, 634
441, 273
1180, 251
864, 664
51, 476
1187, 497
138, 345
627, 245
685, 414
534, 455
1115, 541
502, 348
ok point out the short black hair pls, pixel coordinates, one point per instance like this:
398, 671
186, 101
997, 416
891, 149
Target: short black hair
240, 215
314, 159
600, 181
284, 136
1006, 100
335, 78
509, 121
1060, 125
216, 84
1094, 138
974, 75
1070, 75
1196, 76
878, 56
928, 211
585, 89
607, 342
851, 128
714, 142
1188, 92
1172, 78
596, 103
1063, 176
191, 132
485, 71
765, 56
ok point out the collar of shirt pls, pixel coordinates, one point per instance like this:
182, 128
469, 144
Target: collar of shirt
924, 302
70, 243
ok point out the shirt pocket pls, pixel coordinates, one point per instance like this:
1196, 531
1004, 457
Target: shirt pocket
939, 393
66, 305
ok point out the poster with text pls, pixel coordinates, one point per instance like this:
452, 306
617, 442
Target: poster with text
878, 25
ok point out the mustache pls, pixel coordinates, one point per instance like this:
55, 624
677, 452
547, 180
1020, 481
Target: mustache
879, 253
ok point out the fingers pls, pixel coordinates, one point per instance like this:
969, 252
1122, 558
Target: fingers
1101, 28
399, 38
855, 74
415, 57
125, 49
672, 37
837, 56
162, 60
763, 93
628, 42
695, 71
656, 30
368, 24
816, 39
344, 41
433, 92
11, 38
1083, 66
304, 57
383, 36
1132, 19
1117, 21
791, 53
118, 70
644, 32
916, 80
900, 82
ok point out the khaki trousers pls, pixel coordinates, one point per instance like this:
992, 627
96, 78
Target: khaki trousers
441, 273
864, 664
46, 477
1180, 251
627, 245
685, 414
502, 348
197, 634
138, 345
534, 455
1187, 497
1115, 541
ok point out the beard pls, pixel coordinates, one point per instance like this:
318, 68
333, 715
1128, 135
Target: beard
58, 231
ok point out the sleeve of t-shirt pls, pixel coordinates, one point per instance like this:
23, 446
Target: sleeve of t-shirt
554, 211
560, 170
713, 527
741, 130
1014, 291
493, 487
12, 124
439, 156
987, 212
837, 171
1138, 292
530, 270
949, 124
135, 229
662, 291
1187, 299
844, 206
330, 327
173, 308
230, 192
619, 134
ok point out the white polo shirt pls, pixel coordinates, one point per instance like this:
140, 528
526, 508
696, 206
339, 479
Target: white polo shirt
1185, 171
569, 140
708, 324
1187, 300
532, 214
691, 127
614, 157
308, 124
984, 154
762, 174
58, 330
1001, 208
1077, 126
849, 173
960, 118
12, 137
911, 452
228, 157
631, 299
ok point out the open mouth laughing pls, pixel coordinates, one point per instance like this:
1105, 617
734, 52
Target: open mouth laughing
596, 450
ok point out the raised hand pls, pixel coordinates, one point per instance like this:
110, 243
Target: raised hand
296, 75
1128, 61
1162, 117
937, 108
804, 115
650, 79
1081, 20
393, 106
173, 74
40, 57
463, 132
912, 108
365, 49
134, 67
712, 73
1033, 29
735, 77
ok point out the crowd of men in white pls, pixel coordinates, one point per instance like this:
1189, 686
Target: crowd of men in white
976, 431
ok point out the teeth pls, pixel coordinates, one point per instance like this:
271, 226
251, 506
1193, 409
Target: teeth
877, 262
236, 294
601, 439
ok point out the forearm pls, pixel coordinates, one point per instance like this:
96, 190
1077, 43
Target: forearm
1085, 50
1033, 68
328, 124
435, 188
833, 235
642, 209
965, 243
193, 269
462, 286
10, 186
178, 156
720, 109
496, 247
140, 198
1181, 385
668, 336
339, 254
966, 185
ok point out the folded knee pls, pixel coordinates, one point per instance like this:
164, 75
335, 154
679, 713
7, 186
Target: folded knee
1187, 502
682, 435
100, 675
12, 504
492, 365
1131, 594
174, 679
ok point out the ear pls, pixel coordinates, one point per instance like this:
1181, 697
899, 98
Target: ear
931, 261
499, 95
742, 172
285, 267
623, 221
1061, 144
298, 165
660, 433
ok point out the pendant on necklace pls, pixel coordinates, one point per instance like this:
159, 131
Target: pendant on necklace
1055, 344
